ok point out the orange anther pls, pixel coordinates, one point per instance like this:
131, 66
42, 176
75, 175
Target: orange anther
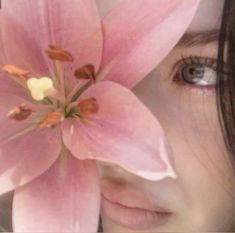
16, 71
85, 72
88, 106
51, 119
20, 112
55, 52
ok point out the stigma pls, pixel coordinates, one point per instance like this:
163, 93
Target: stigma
40, 87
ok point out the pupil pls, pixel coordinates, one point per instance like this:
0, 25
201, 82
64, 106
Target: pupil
192, 70
193, 73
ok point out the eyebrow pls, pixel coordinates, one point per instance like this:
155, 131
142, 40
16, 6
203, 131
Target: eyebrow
195, 38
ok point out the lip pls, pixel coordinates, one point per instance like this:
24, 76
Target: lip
131, 208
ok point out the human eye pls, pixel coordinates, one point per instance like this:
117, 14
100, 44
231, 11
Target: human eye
196, 71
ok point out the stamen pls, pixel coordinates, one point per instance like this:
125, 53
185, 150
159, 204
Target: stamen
20, 113
40, 87
55, 52
88, 106
85, 72
51, 120
16, 71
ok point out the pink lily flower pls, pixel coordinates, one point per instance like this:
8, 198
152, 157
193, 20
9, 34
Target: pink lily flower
63, 109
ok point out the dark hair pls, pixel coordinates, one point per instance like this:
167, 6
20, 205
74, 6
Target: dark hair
225, 88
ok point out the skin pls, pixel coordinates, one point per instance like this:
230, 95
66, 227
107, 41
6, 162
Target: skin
202, 197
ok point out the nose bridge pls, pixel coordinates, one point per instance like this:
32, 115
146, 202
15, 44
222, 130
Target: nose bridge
146, 93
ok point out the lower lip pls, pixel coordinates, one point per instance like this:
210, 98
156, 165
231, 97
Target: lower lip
133, 218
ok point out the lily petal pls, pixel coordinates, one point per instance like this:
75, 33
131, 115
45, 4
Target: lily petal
74, 25
17, 45
8, 85
24, 158
139, 34
64, 199
123, 132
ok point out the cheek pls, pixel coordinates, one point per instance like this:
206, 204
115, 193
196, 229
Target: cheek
202, 163
189, 119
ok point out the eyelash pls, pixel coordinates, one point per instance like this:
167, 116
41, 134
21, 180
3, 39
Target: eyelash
194, 60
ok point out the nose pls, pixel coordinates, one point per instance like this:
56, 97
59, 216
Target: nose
117, 173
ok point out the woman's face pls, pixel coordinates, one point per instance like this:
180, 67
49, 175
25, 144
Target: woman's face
183, 99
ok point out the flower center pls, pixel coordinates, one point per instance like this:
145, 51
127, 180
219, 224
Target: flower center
56, 102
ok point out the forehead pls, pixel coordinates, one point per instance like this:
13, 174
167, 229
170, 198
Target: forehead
208, 15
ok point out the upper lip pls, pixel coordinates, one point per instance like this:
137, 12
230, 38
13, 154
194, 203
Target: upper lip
130, 197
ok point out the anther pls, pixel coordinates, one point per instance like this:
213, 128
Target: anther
85, 72
88, 106
55, 52
51, 119
16, 71
20, 112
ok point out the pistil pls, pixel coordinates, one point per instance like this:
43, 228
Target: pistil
40, 87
